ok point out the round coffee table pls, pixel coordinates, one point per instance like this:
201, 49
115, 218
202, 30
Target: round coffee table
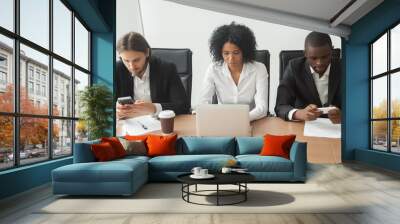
238, 179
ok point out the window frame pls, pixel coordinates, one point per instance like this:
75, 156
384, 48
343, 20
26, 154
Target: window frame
51, 118
388, 74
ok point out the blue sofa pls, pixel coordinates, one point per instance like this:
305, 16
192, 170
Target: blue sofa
125, 176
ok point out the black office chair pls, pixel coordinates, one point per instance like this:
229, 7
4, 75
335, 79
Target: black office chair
262, 56
182, 58
286, 56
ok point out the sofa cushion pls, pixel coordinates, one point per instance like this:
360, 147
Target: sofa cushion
111, 171
206, 145
257, 163
185, 163
160, 145
116, 145
277, 145
103, 152
134, 147
249, 145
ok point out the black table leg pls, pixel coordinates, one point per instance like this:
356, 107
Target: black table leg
217, 194
245, 193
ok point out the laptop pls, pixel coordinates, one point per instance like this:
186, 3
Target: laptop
223, 120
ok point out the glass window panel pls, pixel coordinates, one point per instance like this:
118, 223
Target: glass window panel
81, 45
39, 62
35, 21
62, 138
395, 95
62, 29
379, 97
62, 91
81, 131
6, 142
379, 55
33, 140
395, 47
7, 14
81, 81
395, 136
379, 135
6, 74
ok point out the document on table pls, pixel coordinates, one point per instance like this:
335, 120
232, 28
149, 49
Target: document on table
140, 125
322, 127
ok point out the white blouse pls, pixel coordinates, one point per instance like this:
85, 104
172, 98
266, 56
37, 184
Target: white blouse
252, 88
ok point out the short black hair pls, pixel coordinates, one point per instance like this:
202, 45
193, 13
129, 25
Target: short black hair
240, 35
316, 39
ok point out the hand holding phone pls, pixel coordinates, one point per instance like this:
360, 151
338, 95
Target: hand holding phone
125, 100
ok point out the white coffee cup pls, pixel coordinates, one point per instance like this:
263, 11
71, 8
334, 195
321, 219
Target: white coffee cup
226, 170
196, 171
203, 172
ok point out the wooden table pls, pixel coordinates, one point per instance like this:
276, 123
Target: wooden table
319, 150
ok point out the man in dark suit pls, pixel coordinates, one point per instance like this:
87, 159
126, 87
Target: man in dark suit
152, 83
311, 82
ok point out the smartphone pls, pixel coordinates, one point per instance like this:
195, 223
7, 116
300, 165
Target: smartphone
125, 100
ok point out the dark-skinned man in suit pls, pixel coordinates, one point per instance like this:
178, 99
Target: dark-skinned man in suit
311, 82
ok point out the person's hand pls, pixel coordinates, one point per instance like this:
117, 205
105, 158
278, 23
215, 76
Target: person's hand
139, 108
144, 108
335, 115
309, 113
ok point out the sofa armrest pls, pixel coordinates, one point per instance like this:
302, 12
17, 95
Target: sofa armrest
298, 155
83, 152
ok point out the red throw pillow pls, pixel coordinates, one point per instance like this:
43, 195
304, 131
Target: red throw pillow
103, 151
116, 145
275, 145
159, 145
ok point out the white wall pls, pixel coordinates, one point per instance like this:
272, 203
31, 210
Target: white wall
128, 17
172, 25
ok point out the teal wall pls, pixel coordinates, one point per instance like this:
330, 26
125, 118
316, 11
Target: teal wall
99, 16
356, 93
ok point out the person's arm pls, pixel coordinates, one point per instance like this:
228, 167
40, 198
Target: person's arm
177, 99
261, 97
286, 98
208, 88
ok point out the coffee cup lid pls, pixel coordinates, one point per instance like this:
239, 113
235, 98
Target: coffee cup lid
166, 114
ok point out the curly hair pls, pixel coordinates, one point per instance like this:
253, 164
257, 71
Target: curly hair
240, 35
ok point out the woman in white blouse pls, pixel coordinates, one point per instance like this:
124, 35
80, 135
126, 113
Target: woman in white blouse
234, 76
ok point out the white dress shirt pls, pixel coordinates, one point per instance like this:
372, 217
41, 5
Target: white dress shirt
322, 84
252, 88
141, 88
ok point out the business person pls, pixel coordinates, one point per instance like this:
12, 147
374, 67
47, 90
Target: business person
151, 82
234, 76
311, 82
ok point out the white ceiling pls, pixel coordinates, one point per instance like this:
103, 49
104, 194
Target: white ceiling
320, 9
317, 15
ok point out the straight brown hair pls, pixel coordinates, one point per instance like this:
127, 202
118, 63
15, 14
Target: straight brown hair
133, 41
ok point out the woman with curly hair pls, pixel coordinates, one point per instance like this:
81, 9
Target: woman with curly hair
234, 76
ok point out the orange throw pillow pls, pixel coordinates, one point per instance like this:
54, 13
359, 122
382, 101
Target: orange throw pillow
275, 145
136, 137
160, 145
116, 145
103, 151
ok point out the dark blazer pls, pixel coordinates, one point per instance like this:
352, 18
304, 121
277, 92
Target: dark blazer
166, 87
297, 88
